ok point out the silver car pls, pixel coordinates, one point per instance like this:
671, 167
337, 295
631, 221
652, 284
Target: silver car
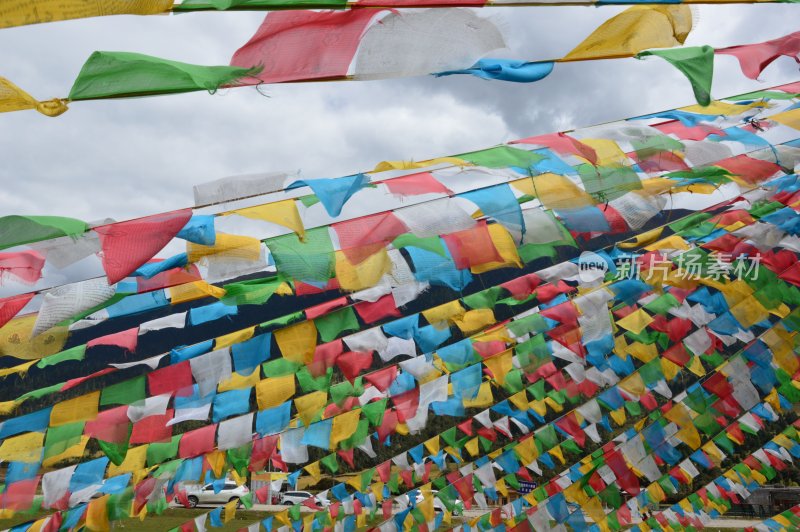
197, 494
290, 498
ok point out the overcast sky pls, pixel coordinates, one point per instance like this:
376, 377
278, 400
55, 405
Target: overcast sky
127, 158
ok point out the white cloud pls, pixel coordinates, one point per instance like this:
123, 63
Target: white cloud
126, 158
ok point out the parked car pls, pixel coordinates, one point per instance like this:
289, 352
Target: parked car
197, 494
291, 498
438, 506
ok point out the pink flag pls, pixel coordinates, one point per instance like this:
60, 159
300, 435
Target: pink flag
26, 266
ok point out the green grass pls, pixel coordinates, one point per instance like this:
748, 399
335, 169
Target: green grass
171, 518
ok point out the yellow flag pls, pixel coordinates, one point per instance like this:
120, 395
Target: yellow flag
696, 367
483, 399
671, 242
426, 507
472, 447
216, 459
7, 407
22, 12
313, 469
788, 118
636, 29
724, 108
635, 321
297, 342
619, 416
97, 514
230, 510
520, 400
432, 445
642, 239
633, 384
72, 452
749, 311
344, 426
500, 365
274, 391
16, 339
558, 453
474, 320
12, 98
526, 451
283, 518
500, 486
309, 405
239, 381
669, 369
23, 448
554, 191
608, 152
283, 213
134, 461
81, 408
227, 246
655, 492
644, 352
234, 338
191, 291
444, 313
506, 248
21, 369
384, 166
363, 275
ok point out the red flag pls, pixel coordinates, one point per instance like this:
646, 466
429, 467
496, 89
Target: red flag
128, 245
698, 132
353, 363
569, 424
170, 378
754, 58
382, 378
562, 144
152, 428
472, 247
110, 425
415, 184
10, 306
361, 237
323, 308
384, 470
124, 339
384, 307
173, 277
197, 442
751, 170
304, 45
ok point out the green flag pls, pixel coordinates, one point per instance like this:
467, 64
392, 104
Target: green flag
694, 62
17, 230
124, 74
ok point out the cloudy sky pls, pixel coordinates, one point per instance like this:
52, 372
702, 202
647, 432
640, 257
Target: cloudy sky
127, 158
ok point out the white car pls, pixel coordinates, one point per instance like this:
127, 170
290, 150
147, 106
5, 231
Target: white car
290, 498
197, 494
438, 505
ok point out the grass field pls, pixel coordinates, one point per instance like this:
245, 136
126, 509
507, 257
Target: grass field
169, 519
